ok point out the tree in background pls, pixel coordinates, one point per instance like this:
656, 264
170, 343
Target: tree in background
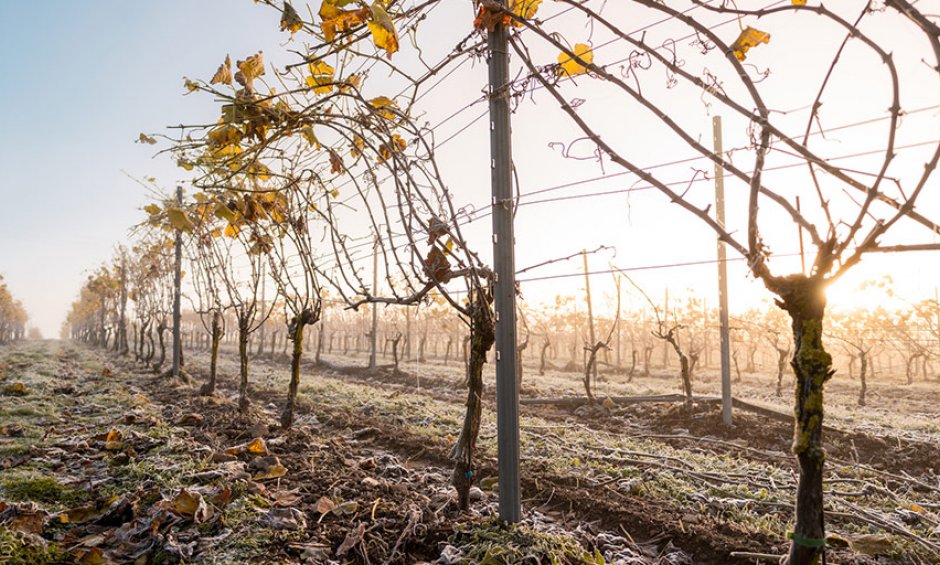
13, 316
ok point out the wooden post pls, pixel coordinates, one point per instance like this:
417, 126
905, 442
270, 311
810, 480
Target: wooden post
726, 399
375, 311
590, 309
177, 282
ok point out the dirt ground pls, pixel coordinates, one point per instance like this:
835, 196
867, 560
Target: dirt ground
101, 462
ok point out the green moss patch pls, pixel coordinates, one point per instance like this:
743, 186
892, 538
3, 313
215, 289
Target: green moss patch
45, 490
19, 548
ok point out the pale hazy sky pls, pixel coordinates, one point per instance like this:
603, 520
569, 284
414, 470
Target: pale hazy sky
80, 80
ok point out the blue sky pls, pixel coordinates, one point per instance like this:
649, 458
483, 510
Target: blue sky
80, 81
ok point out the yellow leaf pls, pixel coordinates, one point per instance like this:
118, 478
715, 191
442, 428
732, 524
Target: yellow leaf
190, 85
382, 101
748, 38
310, 136
273, 472
179, 220
191, 504
396, 146
570, 66
144, 138
321, 77
224, 135
336, 20
799, 2
250, 69
524, 9
224, 73
231, 230
113, 440
290, 19
383, 30
334, 193
257, 446
228, 151
358, 146
15, 389
223, 212
382, 104
488, 18
184, 164
352, 81
152, 209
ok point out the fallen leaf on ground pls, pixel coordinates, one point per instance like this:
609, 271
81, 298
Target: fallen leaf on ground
27, 518
286, 519
287, 497
255, 447
872, 544
192, 505
352, 539
325, 505
273, 471
15, 389
189, 420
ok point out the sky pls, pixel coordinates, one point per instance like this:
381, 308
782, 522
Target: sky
81, 80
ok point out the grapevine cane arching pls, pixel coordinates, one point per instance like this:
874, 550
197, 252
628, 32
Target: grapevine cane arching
296, 175
840, 243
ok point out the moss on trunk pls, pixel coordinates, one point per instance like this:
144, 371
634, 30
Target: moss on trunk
804, 299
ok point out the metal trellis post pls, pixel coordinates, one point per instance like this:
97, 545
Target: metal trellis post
507, 390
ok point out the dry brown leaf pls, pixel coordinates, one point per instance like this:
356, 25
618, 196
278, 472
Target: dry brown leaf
224, 73
325, 505
352, 539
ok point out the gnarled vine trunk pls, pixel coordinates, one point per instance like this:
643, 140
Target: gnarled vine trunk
782, 355
634, 354
161, 330
542, 361
862, 375
243, 333
805, 300
295, 333
482, 338
215, 339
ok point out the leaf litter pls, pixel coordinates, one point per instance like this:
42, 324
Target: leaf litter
159, 485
